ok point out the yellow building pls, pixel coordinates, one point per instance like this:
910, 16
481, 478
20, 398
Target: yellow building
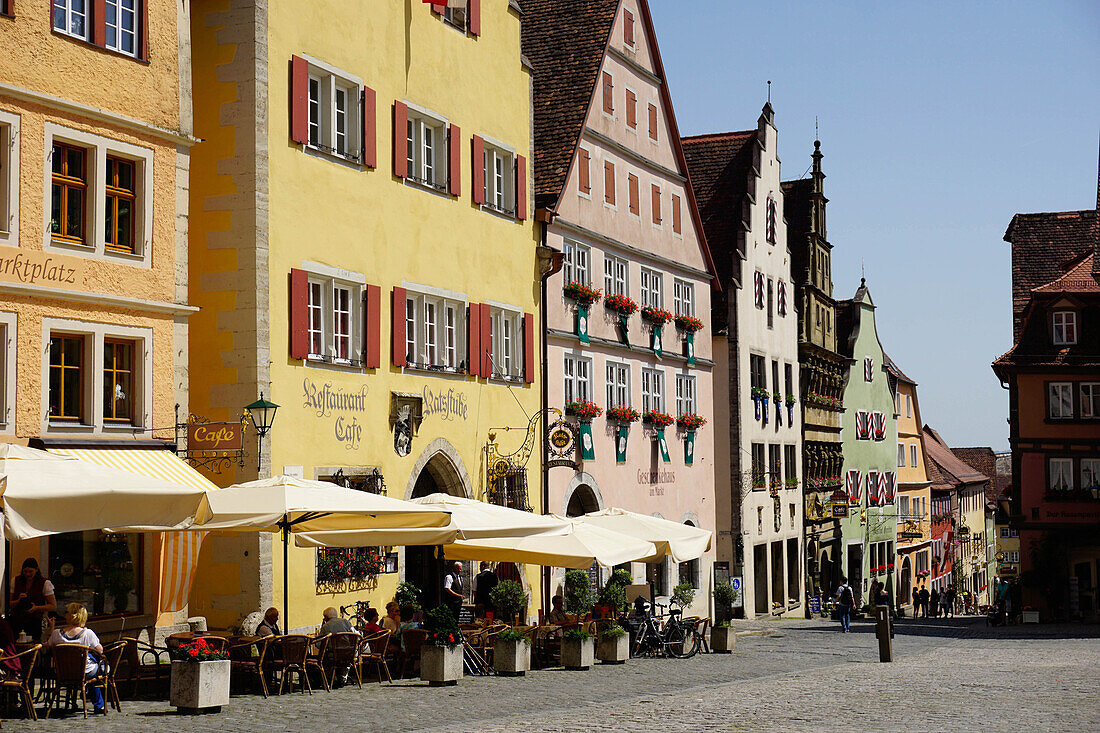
362, 250
914, 555
95, 126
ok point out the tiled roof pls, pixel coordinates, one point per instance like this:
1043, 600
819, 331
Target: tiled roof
1044, 247
893, 369
949, 465
565, 40
718, 169
1078, 280
984, 460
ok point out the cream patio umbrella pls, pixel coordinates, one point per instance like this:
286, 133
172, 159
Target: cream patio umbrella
584, 544
681, 542
288, 505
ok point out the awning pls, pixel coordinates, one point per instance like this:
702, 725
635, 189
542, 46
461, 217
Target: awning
180, 550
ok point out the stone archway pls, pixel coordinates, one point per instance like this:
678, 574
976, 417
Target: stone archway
582, 496
905, 579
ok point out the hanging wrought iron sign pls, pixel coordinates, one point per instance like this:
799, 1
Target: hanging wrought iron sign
214, 446
561, 442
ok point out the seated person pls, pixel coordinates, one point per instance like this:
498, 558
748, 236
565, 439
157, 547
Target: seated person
333, 624
557, 615
392, 621
10, 668
641, 608
372, 626
74, 632
270, 625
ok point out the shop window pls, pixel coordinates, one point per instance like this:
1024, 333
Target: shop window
99, 569
67, 372
118, 381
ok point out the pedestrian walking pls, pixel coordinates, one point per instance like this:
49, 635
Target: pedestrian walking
947, 602
845, 599
924, 600
935, 602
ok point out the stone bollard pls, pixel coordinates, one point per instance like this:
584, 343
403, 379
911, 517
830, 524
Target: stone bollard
197, 624
882, 631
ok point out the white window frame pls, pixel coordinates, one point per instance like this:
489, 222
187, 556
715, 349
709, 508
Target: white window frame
328, 281
97, 149
506, 337
683, 297
442, 346
69, 16
652, 282
1057, 393
1060, 468
9, 337
450, 17
498, 166
1090, 400
1064, 328
617, 383
686, 395
94, 335
1092, 469
331, 80
120, 29
577, 378
616, 276
653, 390
901, 455
577, 262
912, 455
9, 177
1014, 556
427, 164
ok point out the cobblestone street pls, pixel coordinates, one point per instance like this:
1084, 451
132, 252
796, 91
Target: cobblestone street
793, 675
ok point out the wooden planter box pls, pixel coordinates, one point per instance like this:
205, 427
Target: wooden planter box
511, 658
440, 665
578, 654
200, 687
722, 639
613, 649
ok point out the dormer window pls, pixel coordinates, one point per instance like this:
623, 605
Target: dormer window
1065, 328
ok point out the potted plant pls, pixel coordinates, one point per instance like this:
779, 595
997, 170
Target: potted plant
777, 397
621, 304
577, 593
656, 316
441, 654
511, 653
577, 649
509, 600
759, 400
657, 419
614, 645
613, 593
583, 293
407, 594
622, 414
790, 408
200, 678
583, 410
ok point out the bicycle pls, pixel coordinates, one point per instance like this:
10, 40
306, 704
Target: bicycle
675, 639
358, 618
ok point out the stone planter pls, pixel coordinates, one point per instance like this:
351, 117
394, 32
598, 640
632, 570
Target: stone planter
440, 665
578, 654
722, 639
1030, 617
511, 658
200, 687
613, 649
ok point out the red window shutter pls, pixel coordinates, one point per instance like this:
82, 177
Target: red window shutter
369, 156
628, 27
299, 100
608, 93
400, 357
609, 182
652, 122
655, 190
454, 168
486, 341
372, 352
584, 181
521, 187
438, 7
631, 110
473, 340
528, 348
299, 314
473, 12
400, 138
676, 213
99, 22
632, 193
477, 166
143, 32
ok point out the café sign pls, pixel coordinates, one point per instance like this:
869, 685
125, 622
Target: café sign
215, 436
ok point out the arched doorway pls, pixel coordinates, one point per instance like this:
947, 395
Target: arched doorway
826, 574
905, 591
424, 564
582, 501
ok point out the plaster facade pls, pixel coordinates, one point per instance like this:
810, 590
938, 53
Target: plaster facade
914, 499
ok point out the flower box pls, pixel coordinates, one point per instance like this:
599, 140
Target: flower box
622, 414
691, 422
583, 409
691, 324
657, 419
200, 687
621, 304
722, 639
441, 665
512, 658
656, 315
582, 293
578, 654
613, 649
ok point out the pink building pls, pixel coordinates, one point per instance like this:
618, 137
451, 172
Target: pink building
611, 187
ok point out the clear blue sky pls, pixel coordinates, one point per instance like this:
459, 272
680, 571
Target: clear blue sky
939, 121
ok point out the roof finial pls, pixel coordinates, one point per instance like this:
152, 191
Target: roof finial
862, 273
816, 136
769, 91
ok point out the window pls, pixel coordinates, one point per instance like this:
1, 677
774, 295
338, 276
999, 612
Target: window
1065, 328
618, 384
315, 308
69, 195
614, 276
1060, 400
775, 465
121, 187
500, 178
456, 16
341, 323
771, 303
790, 466
685, 395
788, 379
628, 28
435, 331
760, 518
97, 565
901, 455
651, 289
334, 111
426, 149
655, 196
1061, 474
1090, 400
576, 261
67, 378
903, 507
631, 110
1090, 474
913, 455
609, 183
506, 336
608, 94
758, 465
757, 375
334, 316
71, 17
775, 377
653, 122
578, 378
908, 406
677, 225
632, 204
9, 176
118, 381
770, 228
683, 298
653, 390
120, 21
1014, 556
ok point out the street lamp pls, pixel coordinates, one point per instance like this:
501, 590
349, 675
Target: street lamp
262, 413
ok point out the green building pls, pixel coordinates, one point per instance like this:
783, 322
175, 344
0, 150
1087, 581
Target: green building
869, 435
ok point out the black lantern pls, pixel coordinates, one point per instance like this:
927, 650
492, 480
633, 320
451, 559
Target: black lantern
262, 413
